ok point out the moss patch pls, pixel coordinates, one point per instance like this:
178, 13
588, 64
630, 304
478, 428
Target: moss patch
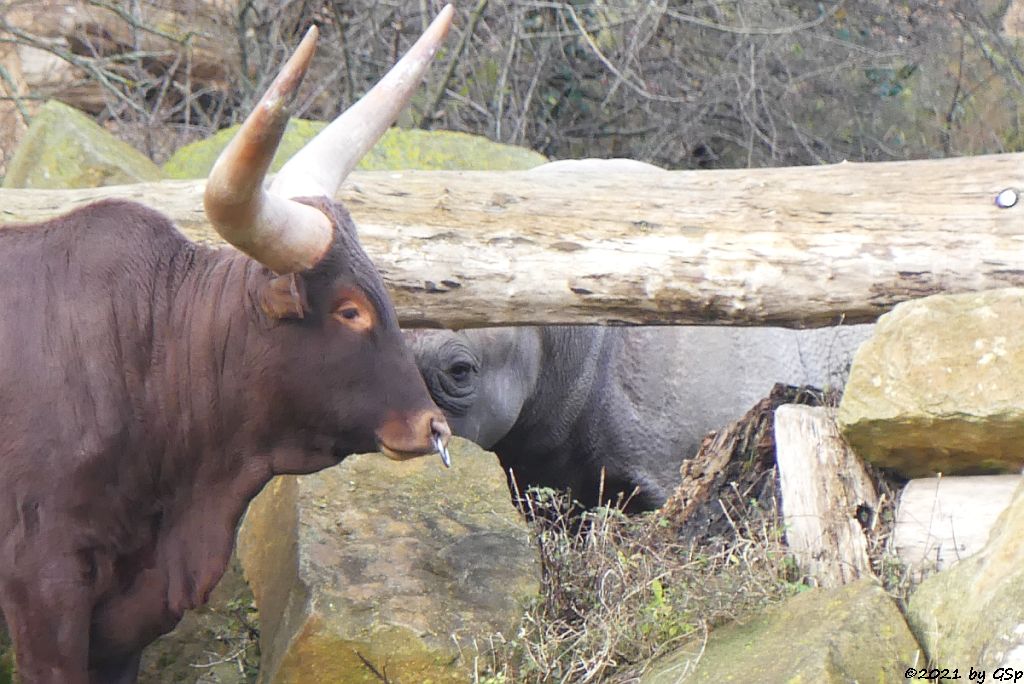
6, 656
854, 633
398, 149
216, 643
393, 567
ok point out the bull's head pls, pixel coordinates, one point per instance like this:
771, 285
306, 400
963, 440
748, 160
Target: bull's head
341, 371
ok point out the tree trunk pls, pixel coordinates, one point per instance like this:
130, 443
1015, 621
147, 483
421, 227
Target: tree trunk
791, 246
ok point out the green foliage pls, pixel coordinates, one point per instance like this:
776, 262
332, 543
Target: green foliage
492, 679
889, 81
7, 668
663, 621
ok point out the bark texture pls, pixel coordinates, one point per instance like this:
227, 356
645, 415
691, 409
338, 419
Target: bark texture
803, 246
825, 490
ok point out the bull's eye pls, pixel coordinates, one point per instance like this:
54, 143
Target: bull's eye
354, 312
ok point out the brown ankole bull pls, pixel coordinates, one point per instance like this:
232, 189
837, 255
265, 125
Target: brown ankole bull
150, 386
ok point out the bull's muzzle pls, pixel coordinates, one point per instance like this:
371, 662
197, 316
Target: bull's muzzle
425, 432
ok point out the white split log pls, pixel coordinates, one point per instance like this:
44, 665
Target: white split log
942, 520
823, 487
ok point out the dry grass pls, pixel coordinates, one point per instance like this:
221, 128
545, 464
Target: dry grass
895, 576
618, 591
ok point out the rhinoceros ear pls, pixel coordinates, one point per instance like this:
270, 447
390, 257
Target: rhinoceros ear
284, 297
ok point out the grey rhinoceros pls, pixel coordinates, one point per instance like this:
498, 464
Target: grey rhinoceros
563, 406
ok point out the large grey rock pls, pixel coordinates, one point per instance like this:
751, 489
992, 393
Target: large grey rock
397, 566
398, 149
974, 612
851, 634
64, 148
938, 387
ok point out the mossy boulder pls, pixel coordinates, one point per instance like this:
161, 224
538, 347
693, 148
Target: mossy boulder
851, 634
398, 149
64, 148
375, 566
973, 612
937, 388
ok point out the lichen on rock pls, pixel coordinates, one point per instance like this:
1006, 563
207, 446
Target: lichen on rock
398, 149
64, 148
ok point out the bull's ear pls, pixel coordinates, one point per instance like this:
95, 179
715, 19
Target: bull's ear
284, 297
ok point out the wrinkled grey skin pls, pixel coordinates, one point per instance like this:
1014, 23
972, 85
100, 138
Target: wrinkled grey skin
559, 404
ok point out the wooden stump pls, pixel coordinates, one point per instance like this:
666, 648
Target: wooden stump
825, 494
731, 482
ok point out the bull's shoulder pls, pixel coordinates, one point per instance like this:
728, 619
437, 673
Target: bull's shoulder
103, 238
108, 218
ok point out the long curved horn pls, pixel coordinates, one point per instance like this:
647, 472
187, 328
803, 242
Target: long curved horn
283, 235
320, 167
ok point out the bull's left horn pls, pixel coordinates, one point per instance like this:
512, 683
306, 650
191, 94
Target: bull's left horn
320, 167
283, 235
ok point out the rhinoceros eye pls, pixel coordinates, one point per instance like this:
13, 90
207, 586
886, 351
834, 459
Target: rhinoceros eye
452, 378
460, 370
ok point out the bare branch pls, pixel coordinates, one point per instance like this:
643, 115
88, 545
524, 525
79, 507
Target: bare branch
435, 102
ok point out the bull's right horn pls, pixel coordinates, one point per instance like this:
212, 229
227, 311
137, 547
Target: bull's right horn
284, 235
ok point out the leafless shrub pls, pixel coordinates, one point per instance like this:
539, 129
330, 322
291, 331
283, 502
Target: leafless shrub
618, 591
706, 83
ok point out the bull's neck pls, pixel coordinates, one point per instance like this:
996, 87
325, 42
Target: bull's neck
197, 395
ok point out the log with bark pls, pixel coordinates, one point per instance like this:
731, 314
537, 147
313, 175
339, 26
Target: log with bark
730, 486
60, 47
790, 246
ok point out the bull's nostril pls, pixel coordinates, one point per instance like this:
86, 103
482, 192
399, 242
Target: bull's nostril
439, 427
439, 434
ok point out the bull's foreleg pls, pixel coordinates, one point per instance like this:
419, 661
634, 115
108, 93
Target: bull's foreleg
125, 671
48, 618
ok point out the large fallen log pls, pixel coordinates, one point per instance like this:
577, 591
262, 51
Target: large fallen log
56, 43
791, 246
